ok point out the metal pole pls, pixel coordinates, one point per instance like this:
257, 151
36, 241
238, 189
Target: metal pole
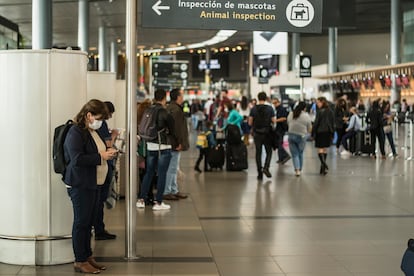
114, 57
103, 52
302, 86
83, 25
395, 44
333, 50
131, 178
295, 49
41, 24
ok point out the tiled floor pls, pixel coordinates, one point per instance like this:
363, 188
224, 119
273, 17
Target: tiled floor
354, 221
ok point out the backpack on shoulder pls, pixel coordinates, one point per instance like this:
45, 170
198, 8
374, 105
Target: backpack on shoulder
148, 129
202, 140
59, 162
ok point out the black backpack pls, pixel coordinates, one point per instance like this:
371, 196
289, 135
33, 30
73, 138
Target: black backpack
59, 162
262, 121
148, 129
233, 135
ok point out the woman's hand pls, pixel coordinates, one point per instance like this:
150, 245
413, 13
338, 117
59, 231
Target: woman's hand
109, 154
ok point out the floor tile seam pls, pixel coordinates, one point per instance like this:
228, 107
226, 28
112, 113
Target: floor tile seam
402, 216
392, 203
141, 259
337, 262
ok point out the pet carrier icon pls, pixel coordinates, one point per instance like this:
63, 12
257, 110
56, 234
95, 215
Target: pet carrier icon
300, 12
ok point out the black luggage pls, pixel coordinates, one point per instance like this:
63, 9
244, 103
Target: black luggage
362, 143
233, 135
236, 157
215, 157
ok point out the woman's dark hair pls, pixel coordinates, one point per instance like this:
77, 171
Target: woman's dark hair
375, 105
95, 107
341, 103
229, 105
298, 110
324, 102
386, 105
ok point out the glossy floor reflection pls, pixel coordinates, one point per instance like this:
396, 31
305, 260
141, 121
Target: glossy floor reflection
354, 221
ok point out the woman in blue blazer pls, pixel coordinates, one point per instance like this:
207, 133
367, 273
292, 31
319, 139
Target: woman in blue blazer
86, 154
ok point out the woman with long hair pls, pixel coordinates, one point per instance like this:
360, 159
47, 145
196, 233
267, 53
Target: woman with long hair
299, 125
375, 119
323, 131
388, 118
244, 110
341, 118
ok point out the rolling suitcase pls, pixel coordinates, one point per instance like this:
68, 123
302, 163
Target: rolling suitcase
362, 143
236, 157
367, 145
215, 157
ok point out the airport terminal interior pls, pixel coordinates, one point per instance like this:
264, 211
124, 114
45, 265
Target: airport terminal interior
353, 221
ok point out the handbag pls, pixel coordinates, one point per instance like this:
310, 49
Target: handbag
220, 135
387, 128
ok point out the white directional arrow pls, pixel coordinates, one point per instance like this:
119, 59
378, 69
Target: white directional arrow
157, 7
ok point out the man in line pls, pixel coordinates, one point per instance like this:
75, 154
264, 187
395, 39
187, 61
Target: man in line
261, 118
181, 143
281, 128
158, 153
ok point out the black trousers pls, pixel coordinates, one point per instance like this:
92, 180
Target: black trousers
261, 140
203, 154
379, 133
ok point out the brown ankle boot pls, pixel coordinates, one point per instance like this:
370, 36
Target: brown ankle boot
92, 262
85, 267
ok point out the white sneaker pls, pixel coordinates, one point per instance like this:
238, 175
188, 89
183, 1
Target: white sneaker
162, 206
140, 203
346, 153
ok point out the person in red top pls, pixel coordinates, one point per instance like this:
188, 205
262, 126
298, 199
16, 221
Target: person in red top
222, 113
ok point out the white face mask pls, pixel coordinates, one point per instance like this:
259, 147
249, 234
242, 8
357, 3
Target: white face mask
96, 124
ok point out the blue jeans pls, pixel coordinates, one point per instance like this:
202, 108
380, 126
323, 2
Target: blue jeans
297, 146
84, 202
391, 142
347, 136
155, 162
171, 186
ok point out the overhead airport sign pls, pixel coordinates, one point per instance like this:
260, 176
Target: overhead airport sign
169, 74
300, 16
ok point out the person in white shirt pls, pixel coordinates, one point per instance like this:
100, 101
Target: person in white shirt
354, 126
299, 126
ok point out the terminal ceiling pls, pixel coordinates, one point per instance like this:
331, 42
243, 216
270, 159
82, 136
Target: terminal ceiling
371, 16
